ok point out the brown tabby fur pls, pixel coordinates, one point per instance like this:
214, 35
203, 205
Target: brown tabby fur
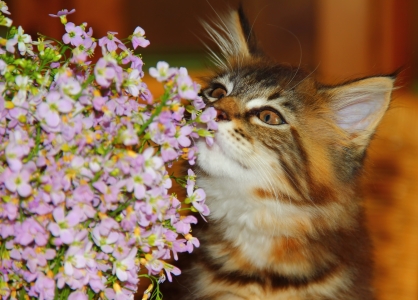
286, 219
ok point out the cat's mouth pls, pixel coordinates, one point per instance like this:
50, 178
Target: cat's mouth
225, 149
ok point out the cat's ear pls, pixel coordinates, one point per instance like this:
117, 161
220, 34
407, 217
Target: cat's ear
358, 106
246, 33
234, 35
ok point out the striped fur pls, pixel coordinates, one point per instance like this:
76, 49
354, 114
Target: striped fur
286, 218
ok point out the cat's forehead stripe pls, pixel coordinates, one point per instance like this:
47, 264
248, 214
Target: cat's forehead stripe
274, 96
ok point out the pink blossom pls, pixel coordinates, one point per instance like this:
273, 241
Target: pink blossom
18, 182
63, 227
183, 226
37, 257
78, 295
74, 34
104, 74
110, 41
170, 269
50, 110
45, 287
138, 38
29, 231
208, 116
182, 136
197, 199
162, 72
63, 12
120, 267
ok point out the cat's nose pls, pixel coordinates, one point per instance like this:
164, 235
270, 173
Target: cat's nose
221, 115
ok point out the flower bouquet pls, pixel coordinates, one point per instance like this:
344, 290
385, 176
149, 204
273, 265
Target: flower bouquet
84, 149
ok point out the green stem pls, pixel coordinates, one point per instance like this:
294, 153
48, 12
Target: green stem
121, 208
157, 111
35, 149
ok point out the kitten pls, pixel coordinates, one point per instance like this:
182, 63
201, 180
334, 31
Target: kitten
281, 180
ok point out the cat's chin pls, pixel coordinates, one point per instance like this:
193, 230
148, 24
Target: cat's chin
212, 160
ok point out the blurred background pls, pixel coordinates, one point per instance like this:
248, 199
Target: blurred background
340, 40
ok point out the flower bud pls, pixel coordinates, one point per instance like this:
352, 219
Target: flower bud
63, 19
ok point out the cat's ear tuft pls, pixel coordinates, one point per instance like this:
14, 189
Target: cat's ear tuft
234, 35
359, 106
247, 32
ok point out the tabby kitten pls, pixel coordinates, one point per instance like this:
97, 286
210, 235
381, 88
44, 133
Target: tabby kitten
281, 180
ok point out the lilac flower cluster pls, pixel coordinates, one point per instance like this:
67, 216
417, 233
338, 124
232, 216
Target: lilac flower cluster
84, 148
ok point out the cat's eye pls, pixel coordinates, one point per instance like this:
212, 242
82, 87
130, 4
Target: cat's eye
218, 93
270, 117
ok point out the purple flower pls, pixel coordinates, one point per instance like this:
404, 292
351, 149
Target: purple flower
74, 34
186, 87
138, 38
63, 12
74, 259
104, 74
78, 295
104, 239
118, 293
208, 116
63, 227
45, 287
7, 229
136, 63
71, 149
18, 182
70, 86
96, 281
152, 261
171, 269
191, 241
37, 257
133, 83
29, 231
110, 193
183, 226
162, 72
182, 135
120, 267
49, 111
129, 136
9, 210
197, 199
110, 41
168, 153
18, 147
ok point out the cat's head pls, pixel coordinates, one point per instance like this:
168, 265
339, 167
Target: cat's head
278, 126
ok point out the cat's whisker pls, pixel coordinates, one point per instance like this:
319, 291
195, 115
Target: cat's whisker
307, 76
267, 172
300, 51
216, 60
265, 176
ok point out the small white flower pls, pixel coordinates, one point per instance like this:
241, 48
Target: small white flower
120, 268
133, 82
22, 40
22, 84
162, 72
3, 8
